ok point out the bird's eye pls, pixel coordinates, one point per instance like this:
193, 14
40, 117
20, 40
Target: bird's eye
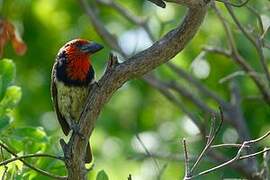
78, 45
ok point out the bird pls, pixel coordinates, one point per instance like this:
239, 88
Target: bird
71, 80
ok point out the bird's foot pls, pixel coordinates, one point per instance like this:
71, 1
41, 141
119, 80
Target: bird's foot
76, 129
97, 83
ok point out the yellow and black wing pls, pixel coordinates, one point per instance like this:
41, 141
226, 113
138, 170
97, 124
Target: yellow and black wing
64, 124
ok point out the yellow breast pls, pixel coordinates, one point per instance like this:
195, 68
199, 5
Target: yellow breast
71, 100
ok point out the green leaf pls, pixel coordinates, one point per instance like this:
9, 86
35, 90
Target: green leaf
7, 73
36, 133
102, 175
12, 97
4, 122
28, 139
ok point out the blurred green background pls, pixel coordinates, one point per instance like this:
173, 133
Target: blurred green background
45, 25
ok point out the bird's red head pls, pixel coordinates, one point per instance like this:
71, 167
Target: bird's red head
78, 52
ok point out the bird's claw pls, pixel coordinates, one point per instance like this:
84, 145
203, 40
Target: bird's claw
76, 129
97, 83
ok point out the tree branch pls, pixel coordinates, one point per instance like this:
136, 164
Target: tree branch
198, 84
129, 16
160, 52
165, 90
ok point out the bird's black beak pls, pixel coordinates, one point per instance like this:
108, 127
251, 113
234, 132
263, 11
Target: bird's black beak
91, 47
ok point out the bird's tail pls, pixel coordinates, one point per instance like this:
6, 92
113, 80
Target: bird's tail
88, 154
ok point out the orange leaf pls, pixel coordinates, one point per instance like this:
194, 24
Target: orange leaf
8, 32
19, 46
4, 36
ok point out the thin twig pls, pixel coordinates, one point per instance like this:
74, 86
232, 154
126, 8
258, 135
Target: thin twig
197, 84
229, 34
148, 152
187, 170
258, 139
45, 173
241, 125
231, 76
29, 156
226, 145
254, 154
211, 139
161, 172
216, 50
234, 4
240, 26
237, 156
256, 13
165, 156
255, 41
212, 131
253, 97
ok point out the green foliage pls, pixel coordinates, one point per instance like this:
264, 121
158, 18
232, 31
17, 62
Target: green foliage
10, 95
28, 139
102, 175
21, 140
7, 75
